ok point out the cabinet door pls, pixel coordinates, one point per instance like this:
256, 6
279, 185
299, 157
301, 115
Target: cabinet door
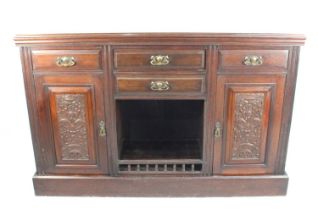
72, 123
248, 113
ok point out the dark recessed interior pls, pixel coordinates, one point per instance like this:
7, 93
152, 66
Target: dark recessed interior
160, 129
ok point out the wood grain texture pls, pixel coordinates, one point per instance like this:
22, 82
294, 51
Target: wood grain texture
185, 84
161, 186
45, 60
289, 94
273, 60
39, 151
139, 58
159, 38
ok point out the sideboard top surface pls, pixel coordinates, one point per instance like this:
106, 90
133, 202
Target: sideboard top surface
194, 38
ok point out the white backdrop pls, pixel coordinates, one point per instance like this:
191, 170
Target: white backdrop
58, 16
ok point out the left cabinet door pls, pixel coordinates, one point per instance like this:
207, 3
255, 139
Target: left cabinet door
72, 123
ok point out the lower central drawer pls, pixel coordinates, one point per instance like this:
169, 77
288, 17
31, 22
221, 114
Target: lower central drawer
161, 84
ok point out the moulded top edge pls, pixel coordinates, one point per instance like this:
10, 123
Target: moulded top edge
290, 39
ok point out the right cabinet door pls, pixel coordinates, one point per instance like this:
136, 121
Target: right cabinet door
247, 120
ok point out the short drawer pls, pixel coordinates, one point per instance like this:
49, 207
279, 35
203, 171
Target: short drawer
253, 60
157, 84
65, 60
154, 59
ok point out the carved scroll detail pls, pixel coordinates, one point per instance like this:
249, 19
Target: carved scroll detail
248, 116
71, 118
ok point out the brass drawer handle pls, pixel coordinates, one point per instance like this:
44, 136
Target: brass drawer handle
159, 60
159, 85
102, 129
218, 130
253, 60
65, 61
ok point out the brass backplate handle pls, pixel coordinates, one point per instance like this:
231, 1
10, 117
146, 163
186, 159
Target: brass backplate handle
159, 60
159, 85
65, 61
218, 130
253, 60
102, 129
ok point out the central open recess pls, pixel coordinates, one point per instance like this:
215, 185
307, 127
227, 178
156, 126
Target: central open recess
160, 129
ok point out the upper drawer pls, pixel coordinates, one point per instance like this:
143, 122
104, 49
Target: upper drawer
253, 60
149, 59
66, 60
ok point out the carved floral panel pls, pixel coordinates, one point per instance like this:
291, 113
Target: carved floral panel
247, 126
71, 120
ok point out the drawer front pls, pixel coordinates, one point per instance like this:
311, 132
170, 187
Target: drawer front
66, 60
253, 61
161, 84
154, 59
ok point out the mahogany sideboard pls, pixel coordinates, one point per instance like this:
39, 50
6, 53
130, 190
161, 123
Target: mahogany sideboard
160, 114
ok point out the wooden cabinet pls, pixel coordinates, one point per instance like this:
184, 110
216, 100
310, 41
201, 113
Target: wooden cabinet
72, 116
160, 114
250, 110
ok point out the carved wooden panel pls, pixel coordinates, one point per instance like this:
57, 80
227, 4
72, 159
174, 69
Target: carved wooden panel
72, 123
248, 111
71, 120
249, 108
